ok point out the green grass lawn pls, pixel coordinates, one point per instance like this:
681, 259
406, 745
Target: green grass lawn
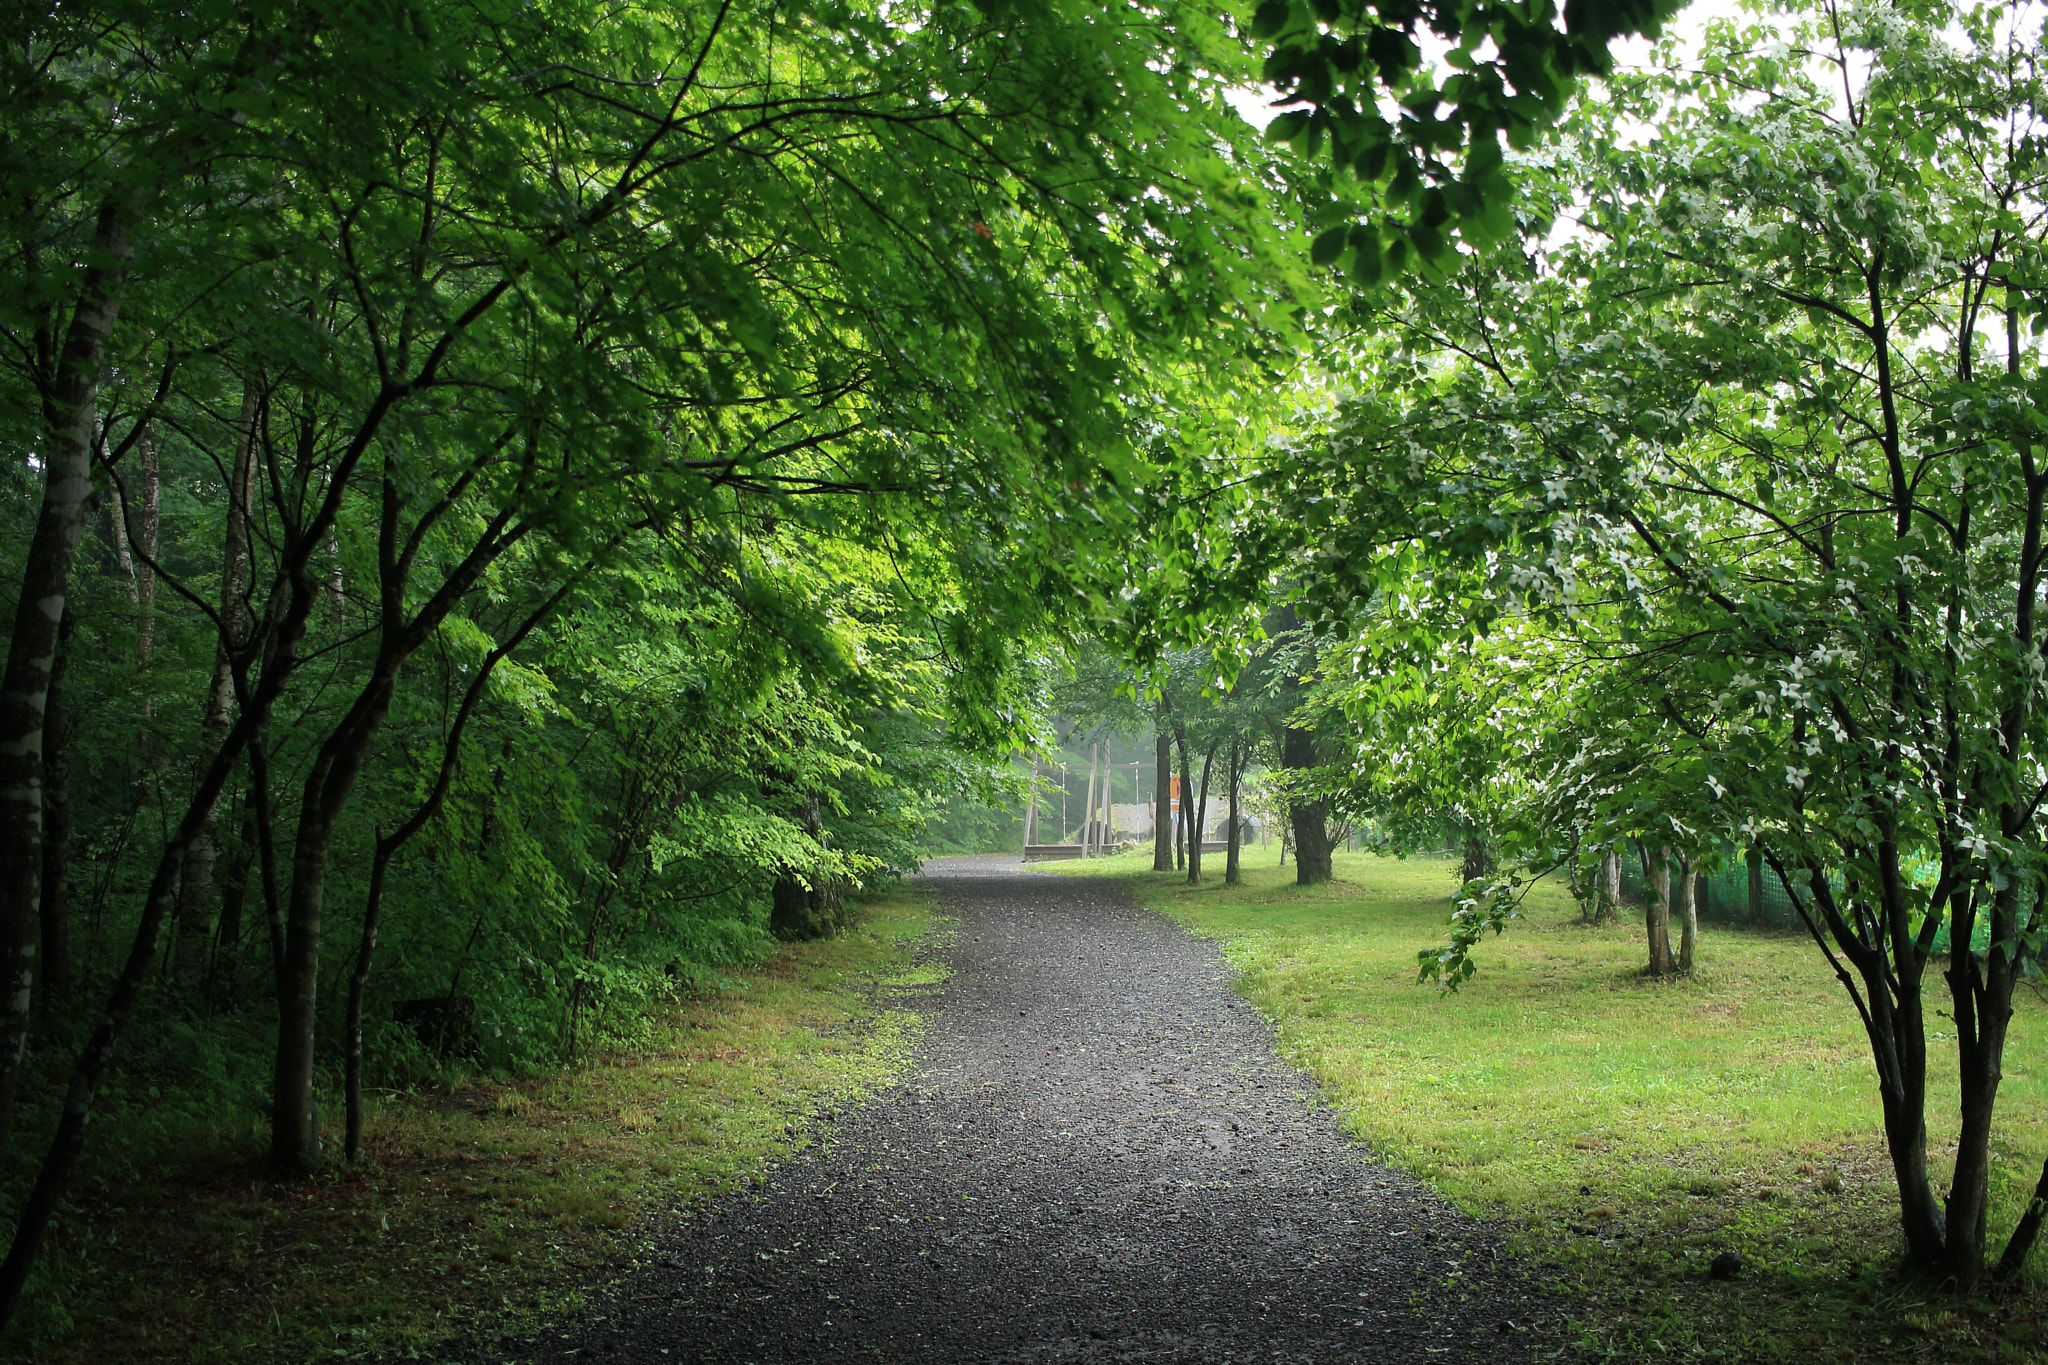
1623, 1130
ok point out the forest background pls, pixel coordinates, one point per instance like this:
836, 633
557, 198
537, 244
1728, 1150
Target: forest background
515, 511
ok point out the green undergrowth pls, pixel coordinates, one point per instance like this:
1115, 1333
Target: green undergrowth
1624, 1131
483, 1207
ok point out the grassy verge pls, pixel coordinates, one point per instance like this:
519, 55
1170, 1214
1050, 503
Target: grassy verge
1625, 1131
496, 1203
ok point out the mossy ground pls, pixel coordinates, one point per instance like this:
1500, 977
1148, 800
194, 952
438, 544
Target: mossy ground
487, 1206
1623, 1131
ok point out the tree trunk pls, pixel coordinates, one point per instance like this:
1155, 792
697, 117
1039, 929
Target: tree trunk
1187, 789
1980, 996
808, 908
195, 888
294, 1120
1162, 819
1899, 1033
1198, 831
358, 988
294, 1134
1308, 818
69, 419
1478, 857
280, 661
2029, 1229
266, 855
234, 897
1657, 908
55, 911
86, 1077
148, 537
1232, 874
1688, 915
386, 848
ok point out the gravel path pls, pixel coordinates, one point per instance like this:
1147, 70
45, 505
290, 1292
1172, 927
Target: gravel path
1099, 1158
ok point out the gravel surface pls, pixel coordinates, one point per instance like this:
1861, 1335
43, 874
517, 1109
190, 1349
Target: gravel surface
1098, 1158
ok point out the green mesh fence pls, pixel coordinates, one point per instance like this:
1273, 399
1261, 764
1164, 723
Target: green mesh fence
1729, 896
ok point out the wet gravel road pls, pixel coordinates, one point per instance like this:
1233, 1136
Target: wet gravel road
1098, 1158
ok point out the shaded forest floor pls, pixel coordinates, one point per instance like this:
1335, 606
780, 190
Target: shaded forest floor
509, 1196
1626, 1131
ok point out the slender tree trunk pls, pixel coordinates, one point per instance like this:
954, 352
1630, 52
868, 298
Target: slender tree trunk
1162, 797
1980, 995
115, 523
234, 897
294, 1119
1610, 882
69, 421
148, 540
387, 847
196, 885
2024, 1236
1198, 831
294, 1131
1232, 874
265, 818
90, 1071
56, 888
279, 663
1688, 915
1657, 908
1187, 792
358, 988
1902, 1094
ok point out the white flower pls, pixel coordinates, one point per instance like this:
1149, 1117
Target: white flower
1797, 776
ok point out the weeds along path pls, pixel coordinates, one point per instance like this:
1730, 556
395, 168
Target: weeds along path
1098, 1157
